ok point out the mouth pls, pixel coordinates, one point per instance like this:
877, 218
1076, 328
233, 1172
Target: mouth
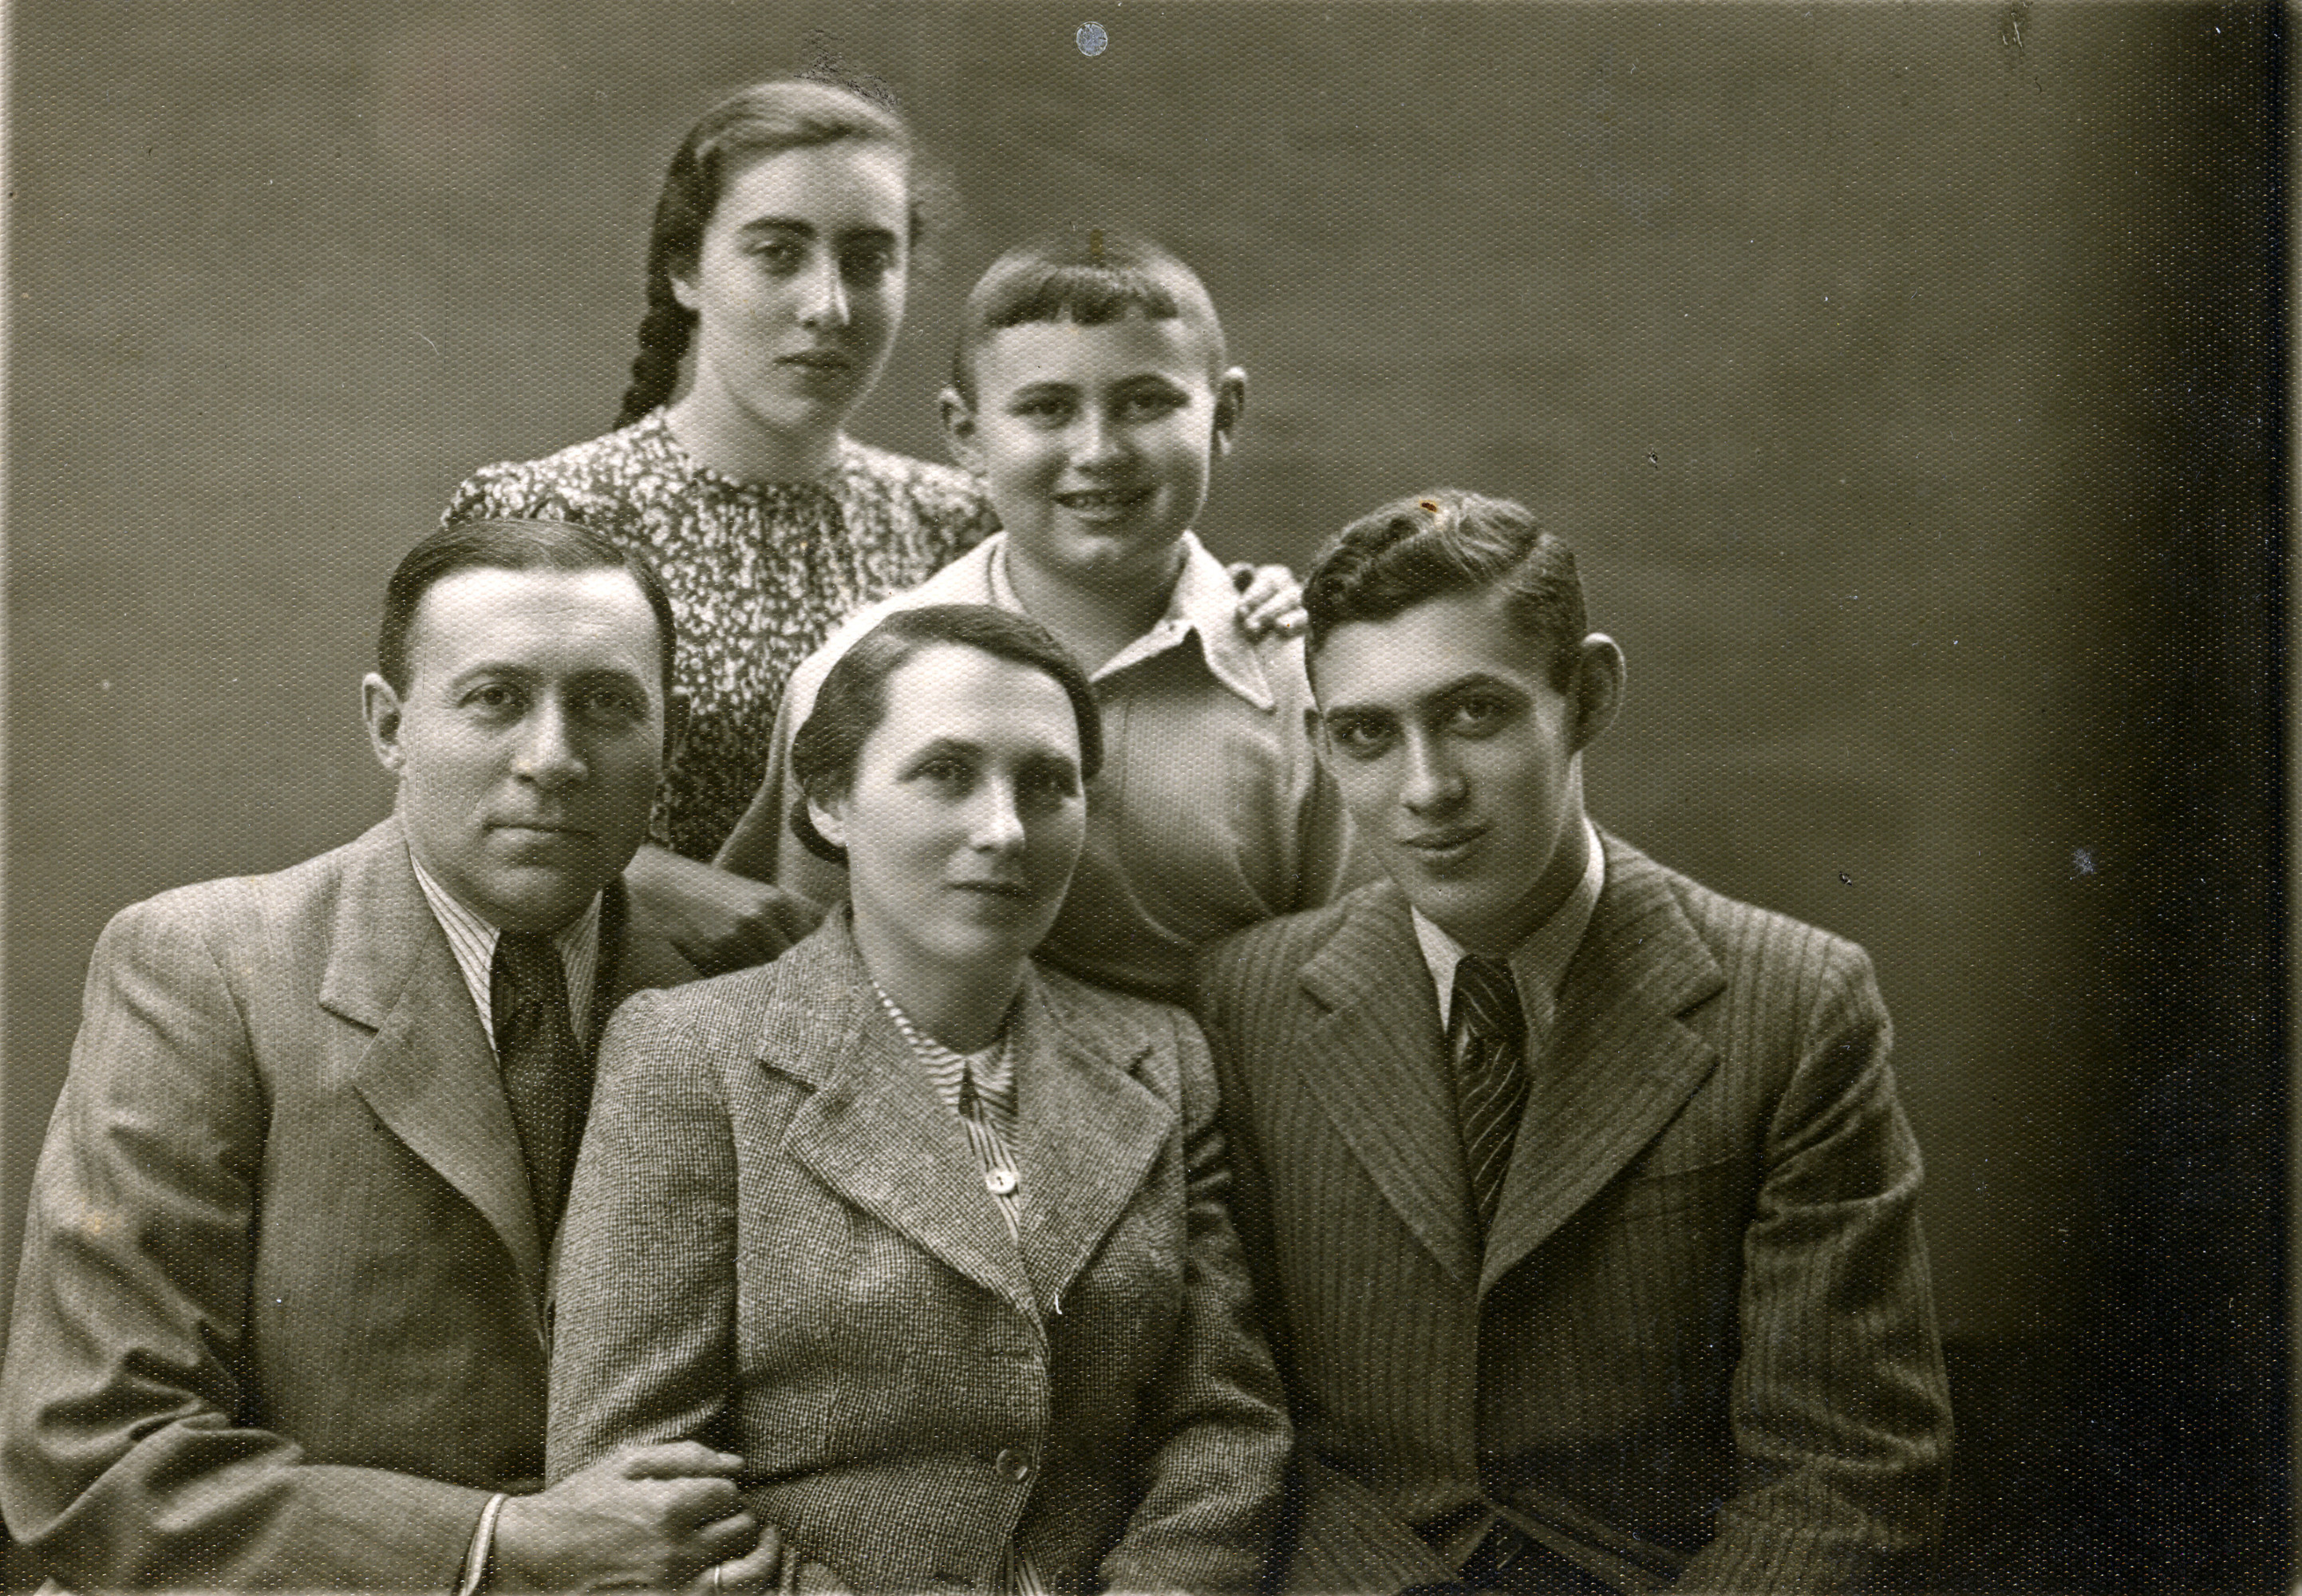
1445, 844
1014, 892
1100, 502
540, 829
822, 362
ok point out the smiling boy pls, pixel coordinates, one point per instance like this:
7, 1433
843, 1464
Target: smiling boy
1092, 391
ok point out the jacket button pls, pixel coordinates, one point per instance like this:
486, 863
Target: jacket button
1014, 1464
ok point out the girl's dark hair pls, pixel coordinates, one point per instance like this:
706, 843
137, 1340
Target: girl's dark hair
852, 700
780, 115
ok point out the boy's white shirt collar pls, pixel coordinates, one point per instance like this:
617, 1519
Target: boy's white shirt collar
1538, 964
1204, 601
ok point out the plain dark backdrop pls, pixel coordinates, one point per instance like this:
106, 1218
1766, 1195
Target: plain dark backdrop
1909, 377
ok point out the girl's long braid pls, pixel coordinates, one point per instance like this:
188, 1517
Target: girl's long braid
664, 333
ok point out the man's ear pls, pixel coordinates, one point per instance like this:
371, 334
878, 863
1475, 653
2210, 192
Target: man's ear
684, 289
1230, 404
380, 709
959, 430
1597, 687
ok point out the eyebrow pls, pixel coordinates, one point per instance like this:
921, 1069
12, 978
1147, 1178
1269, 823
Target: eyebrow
1045, 385
794, 224
512, 669
942, 745
495, 668
1445, 690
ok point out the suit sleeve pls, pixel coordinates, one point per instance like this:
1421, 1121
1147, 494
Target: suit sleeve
128, 1457
643, 1346
1840, 1408
1217, 1419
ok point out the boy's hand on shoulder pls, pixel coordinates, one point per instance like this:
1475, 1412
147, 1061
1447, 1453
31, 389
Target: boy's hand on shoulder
1271, 600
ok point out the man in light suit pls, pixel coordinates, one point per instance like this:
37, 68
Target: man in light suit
1583, 1211
282, 1318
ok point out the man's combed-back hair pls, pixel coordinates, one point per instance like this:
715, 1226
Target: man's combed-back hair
762, 120
510, 545
1089, 277
1446, 541
852, 700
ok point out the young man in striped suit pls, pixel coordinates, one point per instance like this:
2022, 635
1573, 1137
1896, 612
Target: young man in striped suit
1582, 1208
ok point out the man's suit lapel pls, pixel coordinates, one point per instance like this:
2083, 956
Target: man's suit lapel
1087, 1134
428, 1070
1618, 1063
1376, 1062
873, 1130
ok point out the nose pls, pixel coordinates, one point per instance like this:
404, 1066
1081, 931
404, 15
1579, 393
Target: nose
1095, 441
826, 296
998, 819
548, 755
1432, 783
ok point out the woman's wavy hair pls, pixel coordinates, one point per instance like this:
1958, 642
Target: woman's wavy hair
763, 119
852, 700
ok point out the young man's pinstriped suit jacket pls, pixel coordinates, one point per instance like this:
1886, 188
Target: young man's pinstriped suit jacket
1700, 1345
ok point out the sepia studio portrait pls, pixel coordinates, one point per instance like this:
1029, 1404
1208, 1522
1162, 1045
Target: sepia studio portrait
1907, 379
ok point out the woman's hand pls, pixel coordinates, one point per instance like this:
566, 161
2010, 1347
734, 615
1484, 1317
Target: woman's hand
1269, 601
771, 1566
643, 1516
718, 919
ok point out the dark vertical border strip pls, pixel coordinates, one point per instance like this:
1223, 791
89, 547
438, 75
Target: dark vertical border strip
2191, 1420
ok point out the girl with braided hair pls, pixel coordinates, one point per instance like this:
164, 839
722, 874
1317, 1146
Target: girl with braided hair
778, 260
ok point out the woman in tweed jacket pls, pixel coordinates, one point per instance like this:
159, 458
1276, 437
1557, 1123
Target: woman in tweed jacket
935, 1238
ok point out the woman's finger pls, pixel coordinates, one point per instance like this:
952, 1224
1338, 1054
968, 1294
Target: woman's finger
756, 1571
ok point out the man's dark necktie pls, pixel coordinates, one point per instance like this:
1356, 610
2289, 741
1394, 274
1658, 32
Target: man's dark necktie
1486, 1035
546, 1075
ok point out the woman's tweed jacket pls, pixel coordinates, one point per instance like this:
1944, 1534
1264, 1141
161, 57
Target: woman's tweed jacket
779, 1243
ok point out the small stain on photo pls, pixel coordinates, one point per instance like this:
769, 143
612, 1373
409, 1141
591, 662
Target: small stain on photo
1092, 39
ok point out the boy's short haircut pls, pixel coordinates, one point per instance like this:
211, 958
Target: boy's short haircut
1087, 276
1448, 541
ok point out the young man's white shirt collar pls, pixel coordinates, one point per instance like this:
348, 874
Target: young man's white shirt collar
1538, 964
473, 941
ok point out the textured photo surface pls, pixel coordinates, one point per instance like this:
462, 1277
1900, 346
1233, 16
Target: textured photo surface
1908, 378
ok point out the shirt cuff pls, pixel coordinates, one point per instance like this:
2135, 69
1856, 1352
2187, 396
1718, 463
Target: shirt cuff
483, 1548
